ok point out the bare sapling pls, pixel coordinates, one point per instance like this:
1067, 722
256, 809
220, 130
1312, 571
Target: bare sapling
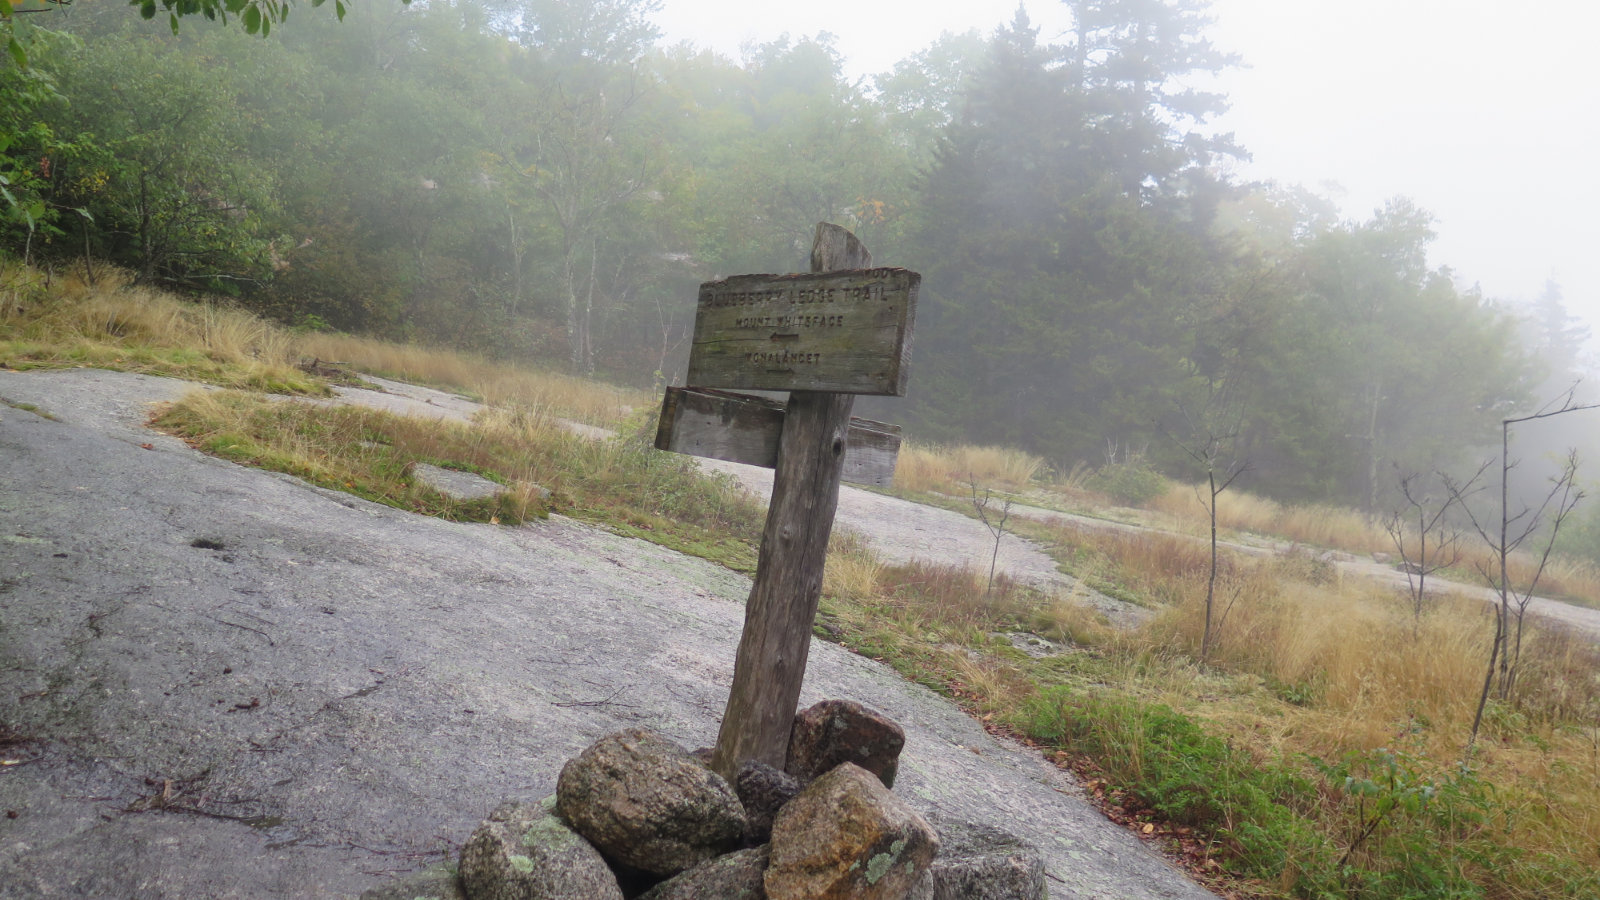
996, 524
1541, 522
1423, 537
1213, 442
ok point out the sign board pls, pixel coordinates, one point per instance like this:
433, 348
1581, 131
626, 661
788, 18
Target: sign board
842, 332
745, 429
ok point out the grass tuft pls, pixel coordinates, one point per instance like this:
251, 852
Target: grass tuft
493, 383
66, 322
621, 482
924, 468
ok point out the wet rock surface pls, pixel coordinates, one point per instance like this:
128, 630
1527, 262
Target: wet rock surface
981, 862
524, 852
844, 731
736, 876
646, 803
459, 485
438, 883
763, 790
846, 837
331, 693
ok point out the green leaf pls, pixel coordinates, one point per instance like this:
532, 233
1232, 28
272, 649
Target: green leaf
5, 9
147, 9
338, 9
266, 26
19, 55
252, 19
173, 17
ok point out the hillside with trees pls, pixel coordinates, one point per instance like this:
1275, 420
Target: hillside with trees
547, 182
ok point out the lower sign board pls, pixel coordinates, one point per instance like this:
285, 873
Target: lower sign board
847, 332
745, 429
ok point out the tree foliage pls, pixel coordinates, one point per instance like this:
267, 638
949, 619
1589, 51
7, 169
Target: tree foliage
542, 179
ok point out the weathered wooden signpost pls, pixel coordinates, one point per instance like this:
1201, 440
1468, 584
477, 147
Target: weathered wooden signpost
844, 329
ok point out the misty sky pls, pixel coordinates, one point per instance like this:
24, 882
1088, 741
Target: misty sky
1482, 111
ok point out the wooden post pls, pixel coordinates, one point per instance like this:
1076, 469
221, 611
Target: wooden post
771, 664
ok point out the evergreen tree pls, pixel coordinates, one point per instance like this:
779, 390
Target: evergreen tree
1559, 336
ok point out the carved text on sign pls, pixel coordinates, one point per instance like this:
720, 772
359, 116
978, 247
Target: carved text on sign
720, 298
845, 332
789, 322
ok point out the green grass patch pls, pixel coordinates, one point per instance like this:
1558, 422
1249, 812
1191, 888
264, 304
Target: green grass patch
1159, 761
620, 483
29, 408
172, 362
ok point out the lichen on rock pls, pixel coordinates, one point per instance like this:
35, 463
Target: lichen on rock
846, 837
522, 852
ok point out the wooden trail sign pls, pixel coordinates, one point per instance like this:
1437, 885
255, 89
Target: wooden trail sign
809, 460
847, 331
745, 429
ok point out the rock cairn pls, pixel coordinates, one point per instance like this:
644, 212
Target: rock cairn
637, 816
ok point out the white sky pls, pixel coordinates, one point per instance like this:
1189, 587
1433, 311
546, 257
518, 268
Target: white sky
1482, 111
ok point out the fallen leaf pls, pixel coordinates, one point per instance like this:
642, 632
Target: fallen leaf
1148, 828
148, 446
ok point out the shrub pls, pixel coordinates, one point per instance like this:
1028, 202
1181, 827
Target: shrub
1129, 483
1165, 762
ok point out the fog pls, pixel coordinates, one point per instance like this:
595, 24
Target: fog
1480, 112
1341, 219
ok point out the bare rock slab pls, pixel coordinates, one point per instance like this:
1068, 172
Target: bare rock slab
438, 883
523, 852
980, 862
452, 483
648, 804
845, 837
736, 876
844, 731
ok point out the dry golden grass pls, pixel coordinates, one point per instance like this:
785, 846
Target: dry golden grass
497, 384
952, 599
113, 323
923, 468
1349, 648
335, 447
1316, 524
372, 453
1160, 566
1562, 577
1353, 532
1306, 663
1347, 651
852, 570
1071, 620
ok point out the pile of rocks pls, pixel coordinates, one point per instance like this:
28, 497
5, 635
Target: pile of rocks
637, 816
